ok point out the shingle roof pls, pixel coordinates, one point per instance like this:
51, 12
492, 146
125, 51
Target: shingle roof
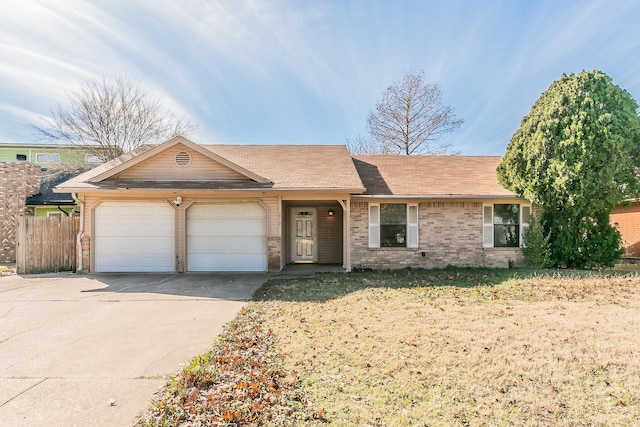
295, 166
315, 167
431, 176
46, 196
285, 166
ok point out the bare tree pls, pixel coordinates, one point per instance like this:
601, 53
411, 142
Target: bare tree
111, 117
363, 145
411, 117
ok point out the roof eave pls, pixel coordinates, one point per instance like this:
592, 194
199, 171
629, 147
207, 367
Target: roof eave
437, 196
99, 189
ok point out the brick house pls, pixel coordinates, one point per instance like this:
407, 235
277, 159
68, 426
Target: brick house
182, 207
18, 181
627, 220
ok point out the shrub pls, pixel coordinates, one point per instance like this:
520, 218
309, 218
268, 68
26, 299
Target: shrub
536, 248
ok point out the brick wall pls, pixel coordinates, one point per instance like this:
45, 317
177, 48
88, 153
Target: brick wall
627, 220
450, 234
18, 180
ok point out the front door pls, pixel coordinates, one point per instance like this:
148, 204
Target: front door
303, 246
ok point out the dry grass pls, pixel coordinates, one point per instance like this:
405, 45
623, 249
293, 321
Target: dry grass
430, 348
7, 270
240, 381
421, 348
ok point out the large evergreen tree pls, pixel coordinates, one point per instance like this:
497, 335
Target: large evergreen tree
577, 154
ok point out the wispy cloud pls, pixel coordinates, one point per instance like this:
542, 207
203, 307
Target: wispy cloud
288, 71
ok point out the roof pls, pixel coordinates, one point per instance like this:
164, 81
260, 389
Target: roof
276, 167
296, 166
431, 176
46, 196
314, 167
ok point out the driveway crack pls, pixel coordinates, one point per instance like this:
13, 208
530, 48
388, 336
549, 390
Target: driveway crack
23, 392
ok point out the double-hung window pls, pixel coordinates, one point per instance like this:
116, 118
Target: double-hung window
393, 225
504, 224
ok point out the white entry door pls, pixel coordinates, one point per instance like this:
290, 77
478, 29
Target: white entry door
303, 246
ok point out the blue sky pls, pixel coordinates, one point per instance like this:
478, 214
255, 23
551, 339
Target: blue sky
310, 71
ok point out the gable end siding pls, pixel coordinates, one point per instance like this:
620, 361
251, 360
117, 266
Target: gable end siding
163, 167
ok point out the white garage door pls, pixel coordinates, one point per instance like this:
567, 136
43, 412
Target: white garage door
134, 237
227, 237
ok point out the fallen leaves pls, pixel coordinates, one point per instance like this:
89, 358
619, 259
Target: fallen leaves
240, 381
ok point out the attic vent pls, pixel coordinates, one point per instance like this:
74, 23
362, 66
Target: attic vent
183, 159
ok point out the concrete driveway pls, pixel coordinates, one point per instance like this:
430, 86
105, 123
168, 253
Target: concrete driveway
93, 350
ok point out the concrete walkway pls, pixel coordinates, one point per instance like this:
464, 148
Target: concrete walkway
92, 350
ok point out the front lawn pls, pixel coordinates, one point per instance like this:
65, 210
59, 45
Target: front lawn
414, 347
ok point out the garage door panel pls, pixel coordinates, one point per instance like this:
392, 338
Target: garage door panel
237, 245
134, 237
226, 237
221, 227
227, 262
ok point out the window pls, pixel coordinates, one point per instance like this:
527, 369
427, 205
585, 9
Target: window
55, 215
47, 158
504, 225
393, 225
21, 157
92, 158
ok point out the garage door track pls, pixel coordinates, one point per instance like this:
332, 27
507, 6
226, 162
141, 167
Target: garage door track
92, 350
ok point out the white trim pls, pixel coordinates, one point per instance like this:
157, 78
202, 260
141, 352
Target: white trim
374, 225
487, 226
524, 222
412, 225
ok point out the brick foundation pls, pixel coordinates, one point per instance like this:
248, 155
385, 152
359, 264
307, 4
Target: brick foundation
274, 253
18, 180
450, 235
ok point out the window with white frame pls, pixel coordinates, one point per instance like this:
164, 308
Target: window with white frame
393, 225
47, 158
92, 159
504, 224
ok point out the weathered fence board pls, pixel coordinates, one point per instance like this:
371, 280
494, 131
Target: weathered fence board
46, 245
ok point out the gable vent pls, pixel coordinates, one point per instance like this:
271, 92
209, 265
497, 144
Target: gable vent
183, 159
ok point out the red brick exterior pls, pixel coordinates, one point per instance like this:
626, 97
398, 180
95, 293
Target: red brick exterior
18, 180
627, 221
450, 233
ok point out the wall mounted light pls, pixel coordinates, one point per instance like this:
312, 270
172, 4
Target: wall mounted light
331, 212
177, 201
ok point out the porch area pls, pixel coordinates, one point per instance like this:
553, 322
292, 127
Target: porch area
314, 234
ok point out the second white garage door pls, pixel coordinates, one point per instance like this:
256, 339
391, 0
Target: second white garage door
227, 237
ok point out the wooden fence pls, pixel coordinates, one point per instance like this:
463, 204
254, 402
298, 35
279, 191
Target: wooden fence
46, 245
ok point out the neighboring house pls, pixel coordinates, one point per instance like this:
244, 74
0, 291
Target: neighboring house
51, 156
50, 204
627, 220
18, 180
22, 168
185, 207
